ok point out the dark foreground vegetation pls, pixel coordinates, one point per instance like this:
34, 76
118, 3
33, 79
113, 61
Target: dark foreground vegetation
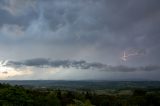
20, 96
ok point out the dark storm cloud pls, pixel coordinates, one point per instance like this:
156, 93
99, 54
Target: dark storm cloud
40, 62
107, 26
89, 20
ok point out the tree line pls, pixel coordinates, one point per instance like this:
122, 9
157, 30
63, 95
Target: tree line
20, 96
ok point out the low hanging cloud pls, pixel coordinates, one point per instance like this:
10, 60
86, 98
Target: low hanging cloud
42, 62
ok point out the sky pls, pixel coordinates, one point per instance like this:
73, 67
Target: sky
79, 40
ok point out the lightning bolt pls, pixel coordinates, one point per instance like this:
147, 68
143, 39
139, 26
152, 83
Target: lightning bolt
124, 57
131, 52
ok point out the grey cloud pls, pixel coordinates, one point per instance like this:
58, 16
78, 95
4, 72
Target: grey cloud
18, 12
41, 62
106, 23
13, 31
17, 7
22, 21
107, 26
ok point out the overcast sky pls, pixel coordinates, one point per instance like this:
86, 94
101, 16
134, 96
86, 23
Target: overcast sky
80, 39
